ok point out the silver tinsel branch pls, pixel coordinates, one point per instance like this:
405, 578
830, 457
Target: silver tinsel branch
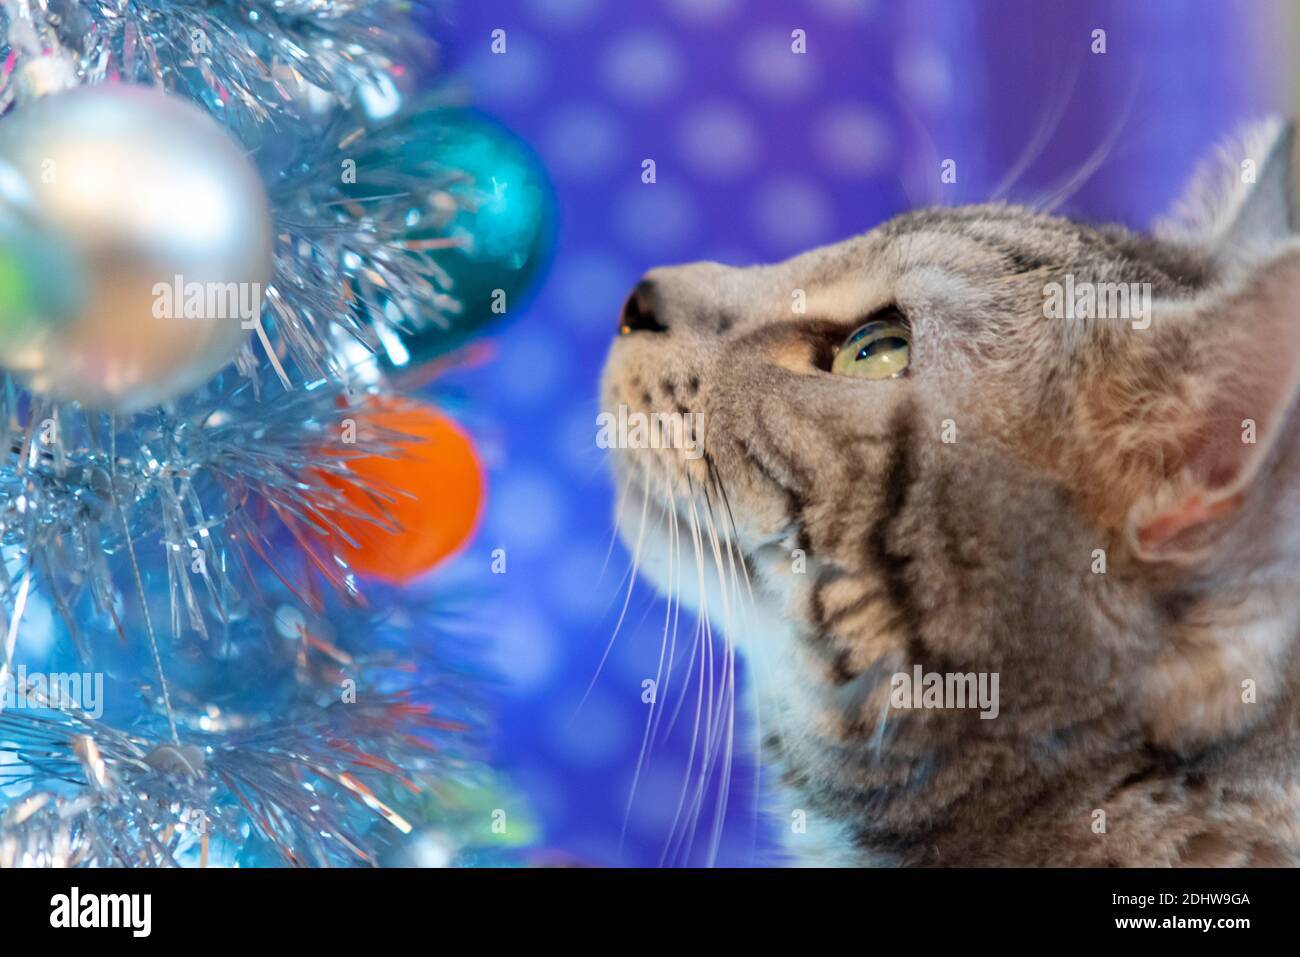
195, 526
258, 65
129, 800
187, 479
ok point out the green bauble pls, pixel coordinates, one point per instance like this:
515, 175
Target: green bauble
487, 189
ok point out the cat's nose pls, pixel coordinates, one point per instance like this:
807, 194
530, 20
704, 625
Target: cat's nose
641, 311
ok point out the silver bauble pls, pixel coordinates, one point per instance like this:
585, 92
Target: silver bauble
112, 198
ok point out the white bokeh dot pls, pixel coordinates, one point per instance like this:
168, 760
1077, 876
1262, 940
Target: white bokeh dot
524, 649
589, 286
550, 795
529, 365
718, 140
703, 11
635, 655
595, 733
922, 74
580, 140
584, 584
527, 512
642, 67
791, 214
575, 440
658, 219
653, 810
564, 14
773, 69
508, 79
851, 140
844, 9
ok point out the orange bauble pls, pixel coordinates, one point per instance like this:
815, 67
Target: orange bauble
437, 468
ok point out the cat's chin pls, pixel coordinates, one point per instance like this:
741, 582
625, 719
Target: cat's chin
662, 554
701, 572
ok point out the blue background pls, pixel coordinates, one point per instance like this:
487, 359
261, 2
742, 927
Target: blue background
761, 153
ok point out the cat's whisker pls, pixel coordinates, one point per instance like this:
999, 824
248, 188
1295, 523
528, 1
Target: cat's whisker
1099, 156
726, 697
709, 676
697, 639
733, 538
733, 533
746, 602
620, 502
660, 682
932, 195
729, 759
713, 714
702, 640
627, 599
696, 644
675, 606
1043, 132
690, 665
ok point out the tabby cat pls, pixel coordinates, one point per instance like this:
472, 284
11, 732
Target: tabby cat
912, 466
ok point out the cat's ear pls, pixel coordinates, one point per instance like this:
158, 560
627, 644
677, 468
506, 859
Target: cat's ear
1236, 353
1242, 200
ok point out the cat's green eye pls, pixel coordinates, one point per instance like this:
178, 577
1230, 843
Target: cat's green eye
877, 350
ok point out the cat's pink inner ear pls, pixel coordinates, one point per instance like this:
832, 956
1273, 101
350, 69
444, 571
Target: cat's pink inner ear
1252, 343
1164, 529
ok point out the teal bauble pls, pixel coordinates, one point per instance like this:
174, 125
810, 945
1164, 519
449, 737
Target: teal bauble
488, 192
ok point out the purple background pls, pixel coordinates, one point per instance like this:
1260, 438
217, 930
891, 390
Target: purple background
762, 153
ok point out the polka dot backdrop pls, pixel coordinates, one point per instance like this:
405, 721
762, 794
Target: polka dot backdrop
760, 152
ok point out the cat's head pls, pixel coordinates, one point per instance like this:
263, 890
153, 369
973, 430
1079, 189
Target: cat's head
981, 437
